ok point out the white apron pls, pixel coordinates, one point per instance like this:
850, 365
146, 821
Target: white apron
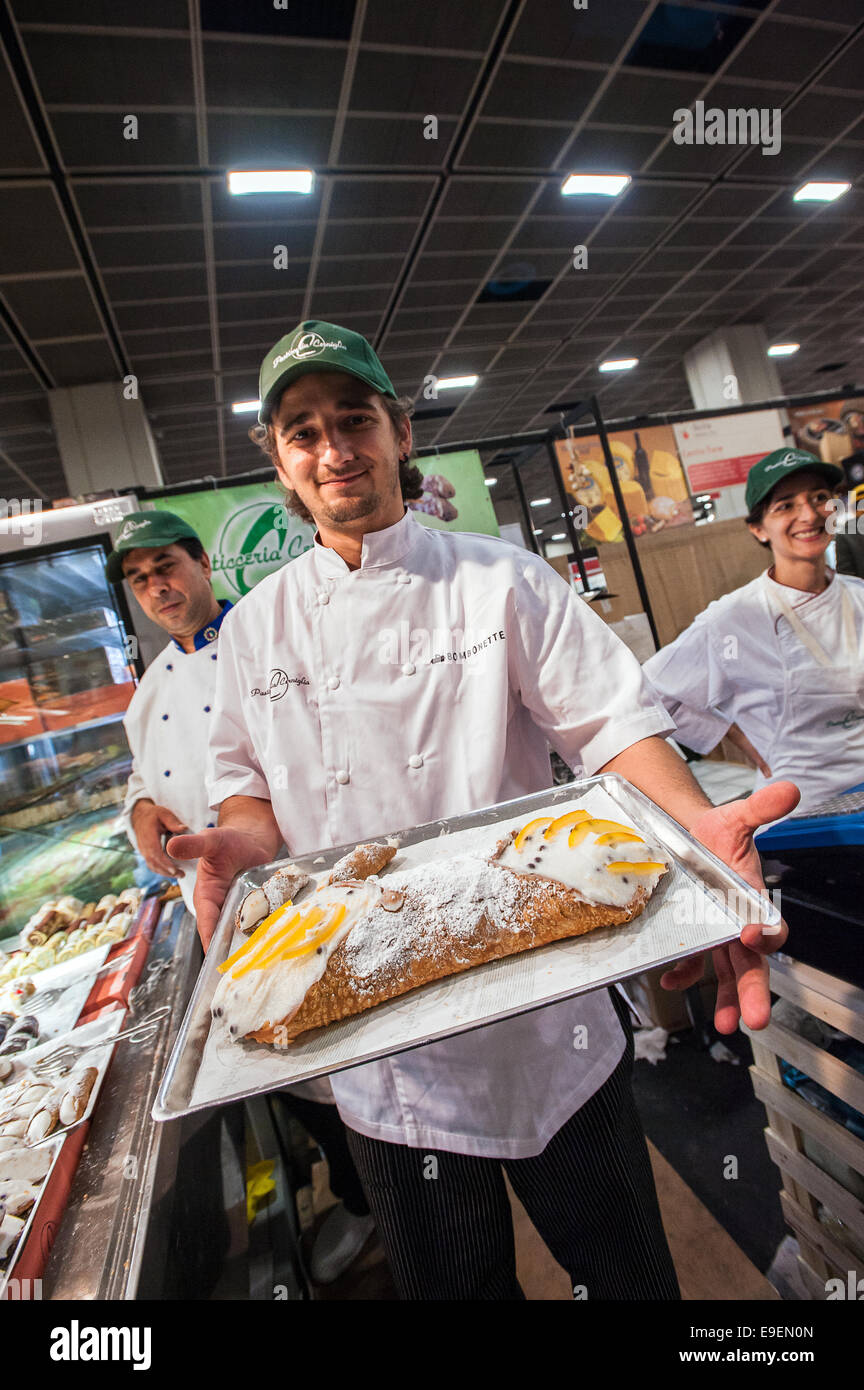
823, 707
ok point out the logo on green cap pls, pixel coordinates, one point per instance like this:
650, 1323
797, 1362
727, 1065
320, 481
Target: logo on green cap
307, 345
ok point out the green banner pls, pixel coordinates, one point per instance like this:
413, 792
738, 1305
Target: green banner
246, 531
456, 497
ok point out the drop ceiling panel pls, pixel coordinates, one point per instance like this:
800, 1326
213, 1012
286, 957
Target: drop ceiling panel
34, 238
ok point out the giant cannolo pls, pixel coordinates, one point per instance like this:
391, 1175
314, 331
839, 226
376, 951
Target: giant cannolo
357, 943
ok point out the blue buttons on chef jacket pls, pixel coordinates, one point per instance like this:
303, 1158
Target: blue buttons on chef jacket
206, 709
415, 760
164, 716
213, 656
211, 825
342, 776
169, 667
167, 774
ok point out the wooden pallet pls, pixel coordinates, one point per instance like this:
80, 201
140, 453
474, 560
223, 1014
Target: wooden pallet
824, 1254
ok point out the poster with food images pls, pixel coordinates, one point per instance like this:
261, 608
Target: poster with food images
652, 481
455, 496
830, 429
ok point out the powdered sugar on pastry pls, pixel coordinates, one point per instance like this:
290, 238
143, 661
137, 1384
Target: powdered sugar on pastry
447, 900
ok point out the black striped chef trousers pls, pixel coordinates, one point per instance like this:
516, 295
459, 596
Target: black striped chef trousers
590, 1194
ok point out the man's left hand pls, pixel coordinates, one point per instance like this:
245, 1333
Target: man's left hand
741, 967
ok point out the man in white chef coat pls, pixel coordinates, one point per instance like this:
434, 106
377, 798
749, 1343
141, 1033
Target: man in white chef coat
168, 725
321, 738
167, 722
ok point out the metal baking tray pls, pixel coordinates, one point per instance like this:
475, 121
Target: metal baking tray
699, 904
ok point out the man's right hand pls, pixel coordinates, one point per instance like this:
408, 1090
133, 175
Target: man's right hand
221, 853
149, 823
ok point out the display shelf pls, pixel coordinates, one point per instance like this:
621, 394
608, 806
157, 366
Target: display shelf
115, 718
116, 1204
820, 1160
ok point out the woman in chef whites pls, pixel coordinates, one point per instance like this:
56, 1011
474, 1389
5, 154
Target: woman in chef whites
779, 663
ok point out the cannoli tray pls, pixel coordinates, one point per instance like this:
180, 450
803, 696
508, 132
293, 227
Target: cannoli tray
699, 904
61, 993
33, 1169
96, 1040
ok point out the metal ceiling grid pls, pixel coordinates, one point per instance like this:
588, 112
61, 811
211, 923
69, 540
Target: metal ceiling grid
122, 255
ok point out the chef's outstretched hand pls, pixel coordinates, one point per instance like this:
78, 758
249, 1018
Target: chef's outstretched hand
221, 853
149, 823
741, 967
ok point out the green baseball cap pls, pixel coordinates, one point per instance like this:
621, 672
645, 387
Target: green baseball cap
315, 346
148, 530
776, 466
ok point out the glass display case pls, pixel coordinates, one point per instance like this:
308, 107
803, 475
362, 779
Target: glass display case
66, 679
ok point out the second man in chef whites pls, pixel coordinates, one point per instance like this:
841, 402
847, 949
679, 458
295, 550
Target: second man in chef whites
366, 746
168, 725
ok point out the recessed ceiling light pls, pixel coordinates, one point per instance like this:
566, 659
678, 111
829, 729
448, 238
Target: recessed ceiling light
783, 349
490, 482
820, 192
244, 407
608, 185
452, 383
538, 532
618, 364
541, 502
270, 181
559, 536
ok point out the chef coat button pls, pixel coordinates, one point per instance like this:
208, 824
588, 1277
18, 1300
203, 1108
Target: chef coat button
409, 668
323, 596
206, 709
415, 760
167, 774
403, 579
169, 667
213, 656
342, 776
211, 825
333, 683
164, 716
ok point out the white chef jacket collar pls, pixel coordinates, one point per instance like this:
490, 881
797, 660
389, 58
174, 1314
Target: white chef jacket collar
379, 547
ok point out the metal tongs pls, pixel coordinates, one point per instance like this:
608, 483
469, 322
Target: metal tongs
45, 998
63, 1059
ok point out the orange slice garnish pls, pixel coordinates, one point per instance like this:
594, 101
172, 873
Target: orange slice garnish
626, 866
618, 837
258, 934
309, 946
596, 827
291, 929
529, 829
270, 953
571, 818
